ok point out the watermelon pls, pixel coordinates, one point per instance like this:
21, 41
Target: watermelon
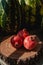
11, 16
17, 14
29, 10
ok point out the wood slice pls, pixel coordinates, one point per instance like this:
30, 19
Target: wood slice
20, 55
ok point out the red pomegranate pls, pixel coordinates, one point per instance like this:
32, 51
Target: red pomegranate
17, 41
23, 33
30, 42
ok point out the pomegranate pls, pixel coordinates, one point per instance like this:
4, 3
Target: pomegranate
30, 42
17, 41
23, 33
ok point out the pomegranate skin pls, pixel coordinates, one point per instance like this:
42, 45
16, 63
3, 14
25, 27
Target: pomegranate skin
17, 41
23, 33
30, 43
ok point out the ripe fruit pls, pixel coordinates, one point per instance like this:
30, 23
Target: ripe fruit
23, 33
10, 23
30, 42
16, 41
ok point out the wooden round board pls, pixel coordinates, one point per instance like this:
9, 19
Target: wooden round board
9, 51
